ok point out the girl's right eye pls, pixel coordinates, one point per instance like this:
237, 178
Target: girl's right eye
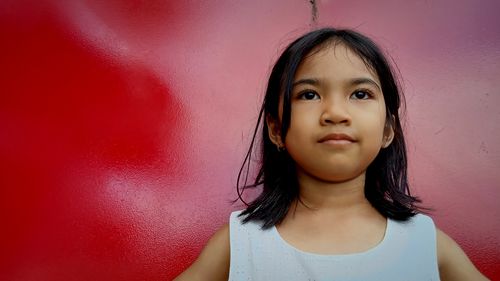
308, 95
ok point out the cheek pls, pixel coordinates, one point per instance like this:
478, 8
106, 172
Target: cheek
374, 135
302, 120
299, 136
371, 127
373, 120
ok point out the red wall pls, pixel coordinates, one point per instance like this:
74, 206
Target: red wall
123, 123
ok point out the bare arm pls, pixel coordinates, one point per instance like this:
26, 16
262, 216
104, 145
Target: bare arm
454, 265
213, 262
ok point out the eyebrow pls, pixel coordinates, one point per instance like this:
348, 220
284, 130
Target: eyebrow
358, 81
352, 82
307, 81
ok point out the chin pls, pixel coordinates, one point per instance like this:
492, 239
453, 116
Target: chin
339, 176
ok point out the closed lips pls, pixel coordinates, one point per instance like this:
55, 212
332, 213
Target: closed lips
337, 137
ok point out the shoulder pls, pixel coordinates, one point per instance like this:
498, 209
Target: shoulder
419, 225
239, 227
418, 219
422, 219
453, 262
213, 262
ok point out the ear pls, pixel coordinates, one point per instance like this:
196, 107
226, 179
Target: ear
388, 133
273, 129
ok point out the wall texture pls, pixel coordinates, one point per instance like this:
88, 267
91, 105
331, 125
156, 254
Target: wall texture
123, 123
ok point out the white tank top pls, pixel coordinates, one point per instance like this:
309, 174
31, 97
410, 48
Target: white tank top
406, 253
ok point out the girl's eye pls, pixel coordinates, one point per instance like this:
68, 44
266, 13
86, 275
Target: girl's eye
309, 95
361, 95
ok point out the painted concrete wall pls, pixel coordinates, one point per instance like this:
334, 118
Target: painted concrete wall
123, 123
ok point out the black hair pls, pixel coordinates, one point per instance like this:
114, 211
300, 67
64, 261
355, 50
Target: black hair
386, 182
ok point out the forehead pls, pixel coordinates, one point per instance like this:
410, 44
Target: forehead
334, 60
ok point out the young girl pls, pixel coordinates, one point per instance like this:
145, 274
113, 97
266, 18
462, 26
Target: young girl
335, 203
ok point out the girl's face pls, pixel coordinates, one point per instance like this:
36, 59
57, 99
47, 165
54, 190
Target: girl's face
338, 116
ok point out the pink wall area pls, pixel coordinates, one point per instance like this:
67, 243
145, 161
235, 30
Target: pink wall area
123, 123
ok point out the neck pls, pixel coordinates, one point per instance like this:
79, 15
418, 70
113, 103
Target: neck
320, 195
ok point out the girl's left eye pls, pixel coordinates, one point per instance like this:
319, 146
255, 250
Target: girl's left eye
360, 95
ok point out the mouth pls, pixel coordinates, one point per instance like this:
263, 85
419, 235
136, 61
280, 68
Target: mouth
337, 139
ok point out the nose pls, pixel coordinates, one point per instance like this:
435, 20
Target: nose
335, 112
